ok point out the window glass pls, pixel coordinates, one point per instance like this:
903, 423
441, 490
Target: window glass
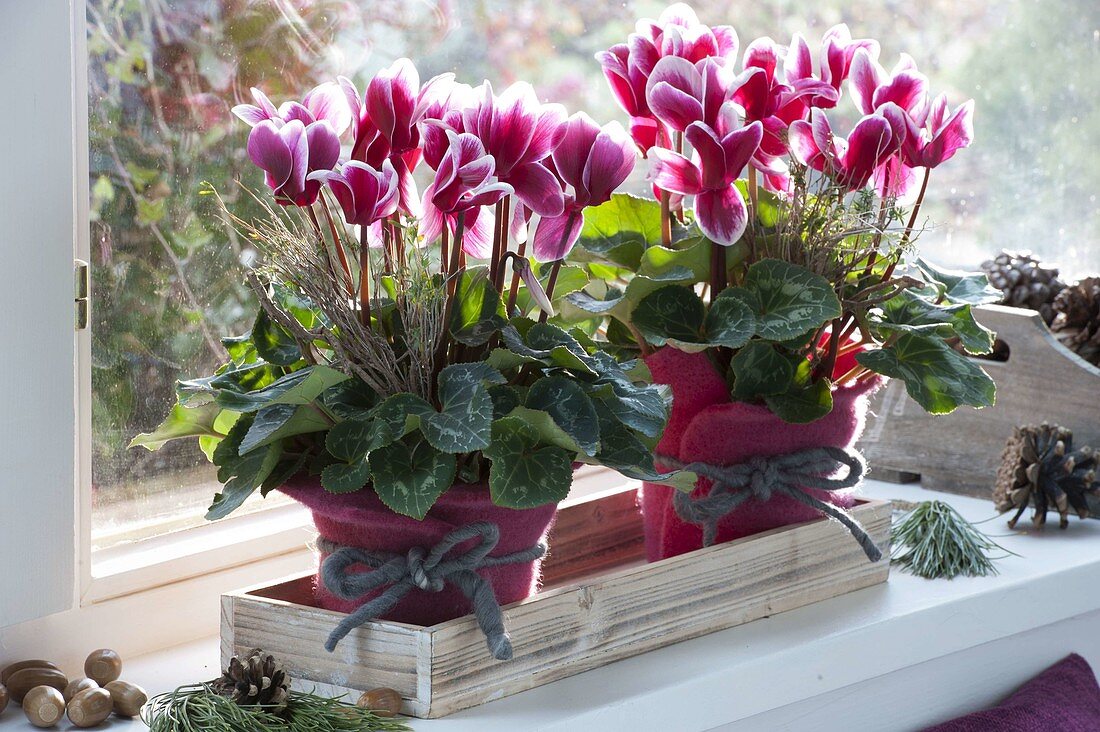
163, 75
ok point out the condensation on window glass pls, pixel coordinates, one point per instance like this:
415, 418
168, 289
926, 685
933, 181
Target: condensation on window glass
163, 75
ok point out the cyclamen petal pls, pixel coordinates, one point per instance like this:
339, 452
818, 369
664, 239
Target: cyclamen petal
555, 237
477, 239
269, 152
709, 156
327, 102
739, 147
538, 188
610, 162
571, 154
672, 172
721, 214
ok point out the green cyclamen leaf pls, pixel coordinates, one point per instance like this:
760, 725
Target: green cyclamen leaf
937, 376
478, 312
240, 475
274, 343
346, 477
909, 311
621, 229
409, 479
803, 403
671, 313
565, 401
282, 420
181, 422
525, 474
352, 439
791, 299
760, 370
299, 387
730, 321
464, 423
972, 288
399, 415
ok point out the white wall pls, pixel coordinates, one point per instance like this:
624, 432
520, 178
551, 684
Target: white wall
37, 413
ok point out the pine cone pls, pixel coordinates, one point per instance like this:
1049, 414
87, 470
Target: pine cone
1077, 319
1040, 467
258, 680
1025, 281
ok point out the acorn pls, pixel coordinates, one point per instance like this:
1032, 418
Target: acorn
382, 701
44, 706
4, 696
11, 668
127, 698
103, 666
76, 686
23, 680
90, 707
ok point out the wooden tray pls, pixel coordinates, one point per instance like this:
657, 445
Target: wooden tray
1042, 380
601, 602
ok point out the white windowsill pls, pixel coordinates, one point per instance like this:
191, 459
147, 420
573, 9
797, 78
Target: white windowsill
893, 657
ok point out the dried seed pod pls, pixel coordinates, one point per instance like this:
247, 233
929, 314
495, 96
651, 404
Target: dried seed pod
26, 679
44, 706
4, 696
383, 702
103, 666
128, 699
90, 707
76, 686
11, 668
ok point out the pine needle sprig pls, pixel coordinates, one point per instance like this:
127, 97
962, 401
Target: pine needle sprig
934, 541
198, 708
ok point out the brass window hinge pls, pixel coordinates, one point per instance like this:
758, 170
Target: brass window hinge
81, 288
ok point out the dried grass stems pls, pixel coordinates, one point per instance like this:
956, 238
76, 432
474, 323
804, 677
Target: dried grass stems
854, 241
390, 354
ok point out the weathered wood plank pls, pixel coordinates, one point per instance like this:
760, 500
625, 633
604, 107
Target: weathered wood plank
1042, 380
609, 607
572, 629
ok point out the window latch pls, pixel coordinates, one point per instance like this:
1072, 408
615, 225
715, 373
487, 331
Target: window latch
81, 300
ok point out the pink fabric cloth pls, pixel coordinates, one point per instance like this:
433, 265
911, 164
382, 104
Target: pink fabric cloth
706, 426
1064, 698
361, 520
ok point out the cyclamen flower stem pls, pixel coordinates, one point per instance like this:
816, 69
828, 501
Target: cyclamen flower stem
339, 247
496, 260
717, 269
364, 278
451, 283
321, 242
505, 234
666, 220
552, 281
909, 226
754, 200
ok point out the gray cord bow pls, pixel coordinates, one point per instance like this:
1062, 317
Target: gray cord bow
428, 571
761, 477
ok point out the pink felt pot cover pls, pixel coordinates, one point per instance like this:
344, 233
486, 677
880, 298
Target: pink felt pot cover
706, 426
361, 520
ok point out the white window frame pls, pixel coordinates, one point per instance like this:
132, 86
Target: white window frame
156, 592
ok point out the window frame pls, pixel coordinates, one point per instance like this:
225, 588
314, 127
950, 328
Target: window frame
167, 580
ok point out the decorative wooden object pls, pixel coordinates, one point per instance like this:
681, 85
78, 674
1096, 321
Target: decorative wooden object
1042, 380
601, 603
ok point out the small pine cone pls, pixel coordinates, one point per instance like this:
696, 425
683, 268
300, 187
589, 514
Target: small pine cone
257, 680
1077, 319
1025, 281
1040, 467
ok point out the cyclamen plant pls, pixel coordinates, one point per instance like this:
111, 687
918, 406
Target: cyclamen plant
793, 269
383, 357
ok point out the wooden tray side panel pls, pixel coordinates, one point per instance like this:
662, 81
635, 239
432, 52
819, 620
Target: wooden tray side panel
567, 631
960, 452
378, 654
594, 535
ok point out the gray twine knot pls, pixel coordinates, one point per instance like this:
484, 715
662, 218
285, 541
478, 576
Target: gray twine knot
762, 477
428, 570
